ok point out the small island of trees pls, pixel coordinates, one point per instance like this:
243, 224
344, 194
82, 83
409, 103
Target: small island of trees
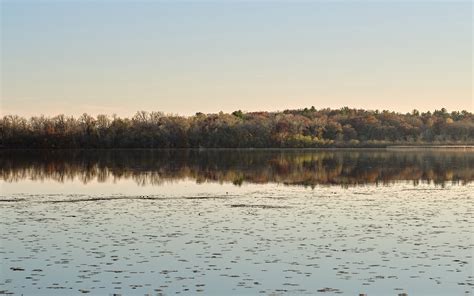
301, 128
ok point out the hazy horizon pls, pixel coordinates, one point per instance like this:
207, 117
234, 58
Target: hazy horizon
78, 113
117, 58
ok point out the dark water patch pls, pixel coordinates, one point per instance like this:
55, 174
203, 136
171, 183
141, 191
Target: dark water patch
13, 199
145, 198
259, 206
93, 199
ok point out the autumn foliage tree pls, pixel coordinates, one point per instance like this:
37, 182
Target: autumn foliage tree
302, 128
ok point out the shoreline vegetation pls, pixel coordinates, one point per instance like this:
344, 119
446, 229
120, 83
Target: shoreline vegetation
431, 147
452, 148
306, 128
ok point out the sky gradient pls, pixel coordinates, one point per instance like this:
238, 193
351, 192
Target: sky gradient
119, 57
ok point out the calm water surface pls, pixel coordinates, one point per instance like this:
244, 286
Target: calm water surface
236, 222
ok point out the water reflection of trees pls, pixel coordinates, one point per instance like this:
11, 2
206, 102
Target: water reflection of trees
309, 168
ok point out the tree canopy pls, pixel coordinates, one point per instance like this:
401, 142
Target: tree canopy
301, 128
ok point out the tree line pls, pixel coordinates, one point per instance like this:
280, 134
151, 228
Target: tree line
301, 128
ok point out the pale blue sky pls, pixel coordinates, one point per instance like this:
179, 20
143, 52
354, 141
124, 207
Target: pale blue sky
119, 57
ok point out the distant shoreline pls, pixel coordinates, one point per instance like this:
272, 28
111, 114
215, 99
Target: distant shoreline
306, 128
431, 147
393, 148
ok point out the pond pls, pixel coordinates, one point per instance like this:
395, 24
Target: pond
238, 222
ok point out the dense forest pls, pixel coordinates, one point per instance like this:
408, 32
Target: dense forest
302, 128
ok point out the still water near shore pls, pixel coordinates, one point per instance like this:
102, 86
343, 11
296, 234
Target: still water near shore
236, 222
